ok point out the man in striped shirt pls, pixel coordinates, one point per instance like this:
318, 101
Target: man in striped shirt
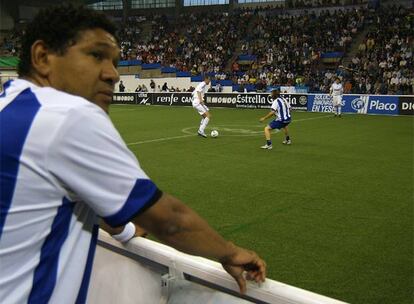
281, 109
64, 166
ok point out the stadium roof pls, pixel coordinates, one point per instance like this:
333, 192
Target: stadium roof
46, 2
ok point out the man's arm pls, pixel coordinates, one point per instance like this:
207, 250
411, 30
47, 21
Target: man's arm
268, 115
175, 224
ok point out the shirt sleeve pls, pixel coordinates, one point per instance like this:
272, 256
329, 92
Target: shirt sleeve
200, 87
90, 159
274, 106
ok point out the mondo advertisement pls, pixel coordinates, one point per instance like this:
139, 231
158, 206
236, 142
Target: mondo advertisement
124, 98
239, 100
406, 105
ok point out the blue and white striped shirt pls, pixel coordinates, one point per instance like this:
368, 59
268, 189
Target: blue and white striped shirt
281, 108
63, 164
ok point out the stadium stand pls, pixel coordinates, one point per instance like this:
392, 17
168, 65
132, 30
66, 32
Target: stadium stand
384, 62
176, 43
260, 48
271, 47
289, 48
10, 43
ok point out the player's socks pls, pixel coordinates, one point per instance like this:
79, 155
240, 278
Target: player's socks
287, 140
204, 124
201, 124
268, 142
339, 110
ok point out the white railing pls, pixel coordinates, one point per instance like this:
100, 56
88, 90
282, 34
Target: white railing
144, 271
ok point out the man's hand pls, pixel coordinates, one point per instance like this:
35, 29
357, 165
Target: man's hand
140, 232
242, 261
175, 224
268, 115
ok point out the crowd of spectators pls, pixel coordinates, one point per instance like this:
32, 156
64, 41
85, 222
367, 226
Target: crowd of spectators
130, 31
384, 62
11, 43
198, 43
289, 48
321, 3
286, 48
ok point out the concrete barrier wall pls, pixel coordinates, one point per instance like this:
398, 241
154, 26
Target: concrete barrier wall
144, 271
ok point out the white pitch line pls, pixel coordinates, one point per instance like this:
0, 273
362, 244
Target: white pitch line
158, 139
193, 135
312, 118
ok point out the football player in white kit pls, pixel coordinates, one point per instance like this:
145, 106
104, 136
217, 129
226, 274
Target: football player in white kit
337, 91
200, 106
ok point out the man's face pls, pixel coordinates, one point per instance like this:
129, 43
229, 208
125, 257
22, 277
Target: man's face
338, 80
88, 68
207, 81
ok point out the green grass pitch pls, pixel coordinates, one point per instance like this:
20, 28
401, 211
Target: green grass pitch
332, 213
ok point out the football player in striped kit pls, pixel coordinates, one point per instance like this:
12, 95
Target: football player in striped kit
281, 109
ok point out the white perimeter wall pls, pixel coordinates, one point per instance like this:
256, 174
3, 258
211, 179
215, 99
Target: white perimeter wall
127, 274
131, 83
6, 75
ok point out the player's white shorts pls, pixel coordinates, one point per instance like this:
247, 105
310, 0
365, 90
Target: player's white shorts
337, 101
201, 108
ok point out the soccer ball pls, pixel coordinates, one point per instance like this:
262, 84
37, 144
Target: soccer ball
214, 133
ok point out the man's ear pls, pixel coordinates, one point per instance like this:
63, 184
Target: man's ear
41, 61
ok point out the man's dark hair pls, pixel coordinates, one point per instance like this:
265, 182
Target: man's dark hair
59, 28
